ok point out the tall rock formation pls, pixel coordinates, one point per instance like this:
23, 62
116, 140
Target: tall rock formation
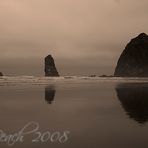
50, 68
133, 61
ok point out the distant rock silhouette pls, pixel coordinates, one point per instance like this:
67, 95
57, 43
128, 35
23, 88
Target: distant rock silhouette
92, 76
50, 68
1, 74
133, 61
104, 76
134, 99
49, 94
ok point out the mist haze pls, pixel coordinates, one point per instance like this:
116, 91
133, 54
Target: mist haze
84, 36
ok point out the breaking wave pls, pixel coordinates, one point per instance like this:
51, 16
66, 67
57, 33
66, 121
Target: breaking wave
6, 80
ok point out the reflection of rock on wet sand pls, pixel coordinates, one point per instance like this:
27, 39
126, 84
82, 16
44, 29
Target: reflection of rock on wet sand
50, 94
134, 99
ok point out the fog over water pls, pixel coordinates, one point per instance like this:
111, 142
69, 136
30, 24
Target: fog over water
84, 36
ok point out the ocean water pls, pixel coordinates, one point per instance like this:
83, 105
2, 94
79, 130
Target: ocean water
73, 112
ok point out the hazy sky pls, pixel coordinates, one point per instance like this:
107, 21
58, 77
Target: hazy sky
84, 36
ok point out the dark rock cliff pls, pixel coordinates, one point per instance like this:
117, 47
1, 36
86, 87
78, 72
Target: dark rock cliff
133, 61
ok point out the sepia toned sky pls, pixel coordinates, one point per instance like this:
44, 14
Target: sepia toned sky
84, 36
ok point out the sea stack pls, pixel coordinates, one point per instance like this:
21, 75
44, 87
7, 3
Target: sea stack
50, 68
133, 61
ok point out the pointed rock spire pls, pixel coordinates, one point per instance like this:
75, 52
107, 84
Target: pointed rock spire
50, 68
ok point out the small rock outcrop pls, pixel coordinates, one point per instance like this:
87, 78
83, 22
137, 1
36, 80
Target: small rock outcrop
50, 68
133, 61
1, 74
105, 76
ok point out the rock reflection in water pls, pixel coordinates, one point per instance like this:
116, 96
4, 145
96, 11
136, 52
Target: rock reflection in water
50, 94
134, 99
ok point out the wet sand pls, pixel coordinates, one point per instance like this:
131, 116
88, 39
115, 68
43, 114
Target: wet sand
96, 113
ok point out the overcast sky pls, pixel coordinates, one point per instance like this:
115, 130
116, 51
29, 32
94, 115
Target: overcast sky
84, 36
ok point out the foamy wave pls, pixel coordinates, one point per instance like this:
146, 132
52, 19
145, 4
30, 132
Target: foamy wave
6, 80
